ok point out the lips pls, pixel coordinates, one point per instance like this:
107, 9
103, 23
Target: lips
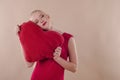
44, 23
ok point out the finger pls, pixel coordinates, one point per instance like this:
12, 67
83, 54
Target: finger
59, 48
58, 51
17, 30
56, 54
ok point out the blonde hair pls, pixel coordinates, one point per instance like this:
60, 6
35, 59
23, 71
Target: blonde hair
36, 11
33, 16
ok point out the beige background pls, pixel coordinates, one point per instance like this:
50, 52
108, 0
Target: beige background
94, 23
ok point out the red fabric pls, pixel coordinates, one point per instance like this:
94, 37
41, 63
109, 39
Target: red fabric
49, 69
37, 43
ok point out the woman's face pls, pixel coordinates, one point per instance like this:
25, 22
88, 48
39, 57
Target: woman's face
44, 21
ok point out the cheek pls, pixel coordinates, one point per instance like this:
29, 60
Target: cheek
39, 23
40, 20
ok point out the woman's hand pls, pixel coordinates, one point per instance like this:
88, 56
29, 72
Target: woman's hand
17, 29
57, 52
70, 65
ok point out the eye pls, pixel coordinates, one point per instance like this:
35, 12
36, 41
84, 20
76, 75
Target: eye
42, 16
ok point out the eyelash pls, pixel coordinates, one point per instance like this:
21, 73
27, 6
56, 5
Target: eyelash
42, 16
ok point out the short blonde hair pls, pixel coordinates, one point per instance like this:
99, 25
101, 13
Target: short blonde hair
36, 11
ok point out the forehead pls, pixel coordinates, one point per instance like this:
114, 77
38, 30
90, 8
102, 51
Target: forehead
43, 13
40, 13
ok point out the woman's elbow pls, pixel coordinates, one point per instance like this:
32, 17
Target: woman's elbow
74, 68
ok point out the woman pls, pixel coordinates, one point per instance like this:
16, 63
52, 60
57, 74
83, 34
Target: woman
53, 69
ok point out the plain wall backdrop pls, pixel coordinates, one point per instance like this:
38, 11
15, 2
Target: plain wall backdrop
94, 24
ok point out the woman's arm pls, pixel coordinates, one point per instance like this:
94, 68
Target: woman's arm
70, 65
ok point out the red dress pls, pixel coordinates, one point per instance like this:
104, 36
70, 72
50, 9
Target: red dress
48, 69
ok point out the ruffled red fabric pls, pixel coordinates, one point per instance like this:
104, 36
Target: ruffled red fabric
37, 43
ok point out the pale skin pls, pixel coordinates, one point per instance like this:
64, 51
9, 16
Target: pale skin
71, 64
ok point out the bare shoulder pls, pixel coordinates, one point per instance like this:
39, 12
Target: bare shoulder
72, 43
71, 40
